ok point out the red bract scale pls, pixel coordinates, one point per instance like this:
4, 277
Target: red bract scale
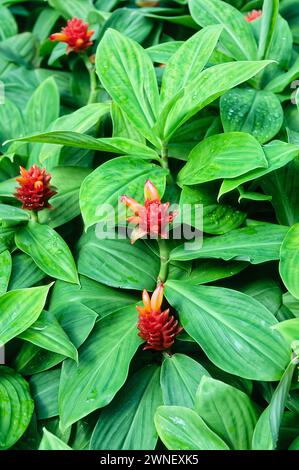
253, 15
35, 190
75, 35
158, 329
153, 218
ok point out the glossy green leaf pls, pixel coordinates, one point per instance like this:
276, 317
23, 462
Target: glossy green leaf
277, 153
117, 263
222, 156
91, 385
16, 407
205, 271
13, 214
48, 250
19, 310
25, 273
257, 112
102, 299
78, 8
5, 271
128, 75
190, 59
132, 411
105, 185
180, 428
289, 259
44, 389
268, 22
267, 428
119, 145
43, 107
283, 186
65, 204
295, 444
77, 321
232, 328
203, 90
237, 38
47, 333
180, 377
8, 24
52, 442
289, 329
255, 244
227, 411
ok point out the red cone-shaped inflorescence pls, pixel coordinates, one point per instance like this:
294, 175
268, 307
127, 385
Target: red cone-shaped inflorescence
75, 35
153, 218
253, 15
157, 328
35, 190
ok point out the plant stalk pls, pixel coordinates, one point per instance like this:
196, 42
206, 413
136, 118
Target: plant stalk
93, 80
164, 260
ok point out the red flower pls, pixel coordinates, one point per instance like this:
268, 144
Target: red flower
152, 218
253, 15
157, 328
75, 34
34, 190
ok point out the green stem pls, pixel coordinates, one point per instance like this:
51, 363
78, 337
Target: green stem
164, 260
164, 155
93, 80
34, 216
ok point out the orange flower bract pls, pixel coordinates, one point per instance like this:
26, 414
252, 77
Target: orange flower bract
75, 35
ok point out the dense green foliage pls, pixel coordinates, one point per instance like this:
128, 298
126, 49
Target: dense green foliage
199, 100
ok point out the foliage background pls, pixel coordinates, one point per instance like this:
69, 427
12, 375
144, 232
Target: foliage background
76, 376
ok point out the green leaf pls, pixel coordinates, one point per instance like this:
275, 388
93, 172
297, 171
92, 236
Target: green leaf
13, 214
25, 273
277, 153
47, 333
77, 321
295, 444
127, 73
203, 90
205, 271
268, 23
180, 428
119, 145
82, 120
289, 259
283, 186
237, 38
123, 127
132, 23
78, 8
180, 377
16, 407
222, 156
255, 244
44, 388
90, 385
162, 53
132, 411
43, 106
117, 263
123, 175
48, 250
227, 411
289, 329
189, 60
12, 127
52, 442
267, 428
19, 310
233, 327
102, 299
5, 271
257, 112
8, 25
65, 204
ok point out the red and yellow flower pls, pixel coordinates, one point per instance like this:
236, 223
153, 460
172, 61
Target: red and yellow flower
75, 35
253, 15
157, 328
152, 218
35, 190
